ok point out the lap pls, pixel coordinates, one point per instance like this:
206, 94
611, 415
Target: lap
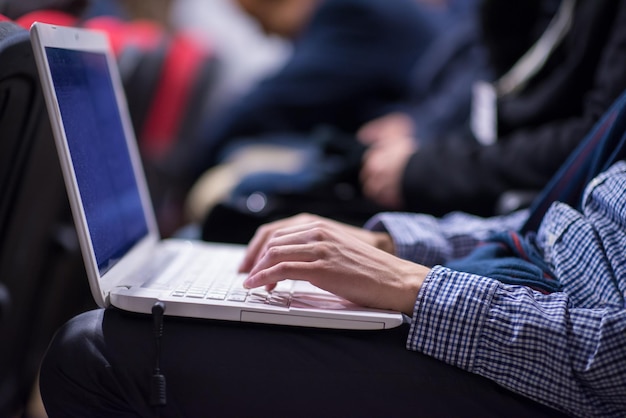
244, 369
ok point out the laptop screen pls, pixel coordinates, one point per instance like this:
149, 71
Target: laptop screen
102, 164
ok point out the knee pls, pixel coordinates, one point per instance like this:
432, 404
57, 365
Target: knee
72, 355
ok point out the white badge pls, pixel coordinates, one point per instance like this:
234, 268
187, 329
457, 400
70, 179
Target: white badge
484, 117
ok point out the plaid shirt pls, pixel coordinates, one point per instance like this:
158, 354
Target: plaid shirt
565, 349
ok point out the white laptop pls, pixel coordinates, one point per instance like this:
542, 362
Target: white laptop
128, 265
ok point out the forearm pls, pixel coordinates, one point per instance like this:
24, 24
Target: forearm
536, 345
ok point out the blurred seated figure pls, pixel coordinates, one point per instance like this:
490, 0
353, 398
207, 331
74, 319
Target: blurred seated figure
246, 53
341, 75
557, 70
543, 73
350, 61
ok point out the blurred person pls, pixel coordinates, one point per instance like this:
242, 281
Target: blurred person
537, 125
350, 60
427, 153
246, 54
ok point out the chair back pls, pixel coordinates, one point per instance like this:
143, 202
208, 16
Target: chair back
42, 276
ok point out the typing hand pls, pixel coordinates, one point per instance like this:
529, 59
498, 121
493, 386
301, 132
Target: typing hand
258, 243
322, 253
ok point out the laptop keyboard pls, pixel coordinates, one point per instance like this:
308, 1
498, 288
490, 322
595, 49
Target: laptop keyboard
213, 276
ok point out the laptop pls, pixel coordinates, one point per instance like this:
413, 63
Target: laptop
128, 264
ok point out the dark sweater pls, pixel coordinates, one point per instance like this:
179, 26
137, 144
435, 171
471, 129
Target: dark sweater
538, 128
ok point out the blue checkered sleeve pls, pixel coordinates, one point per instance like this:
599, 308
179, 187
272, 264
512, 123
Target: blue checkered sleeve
430, 241
537, 345
565, 349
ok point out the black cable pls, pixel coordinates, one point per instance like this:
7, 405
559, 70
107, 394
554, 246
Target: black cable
157, 393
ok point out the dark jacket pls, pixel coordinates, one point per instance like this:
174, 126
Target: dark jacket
538, 128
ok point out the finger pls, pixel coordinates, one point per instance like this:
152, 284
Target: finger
306, 229
289, 247
369, 177
378, 190
364, 173
280, 263
268, 277
367, 187
368, 133
299, 243
365, 136
254, 247
368, 165
258, 243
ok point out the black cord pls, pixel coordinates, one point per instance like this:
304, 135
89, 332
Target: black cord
157, 393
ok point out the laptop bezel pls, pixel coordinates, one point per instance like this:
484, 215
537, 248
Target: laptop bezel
47, 35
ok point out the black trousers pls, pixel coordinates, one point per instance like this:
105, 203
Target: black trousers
101, 362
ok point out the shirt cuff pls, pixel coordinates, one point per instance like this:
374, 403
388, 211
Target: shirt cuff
449, 315
416, 237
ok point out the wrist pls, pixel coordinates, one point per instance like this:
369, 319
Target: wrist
413, 286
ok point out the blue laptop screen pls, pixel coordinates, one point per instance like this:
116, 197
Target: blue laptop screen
102, 164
